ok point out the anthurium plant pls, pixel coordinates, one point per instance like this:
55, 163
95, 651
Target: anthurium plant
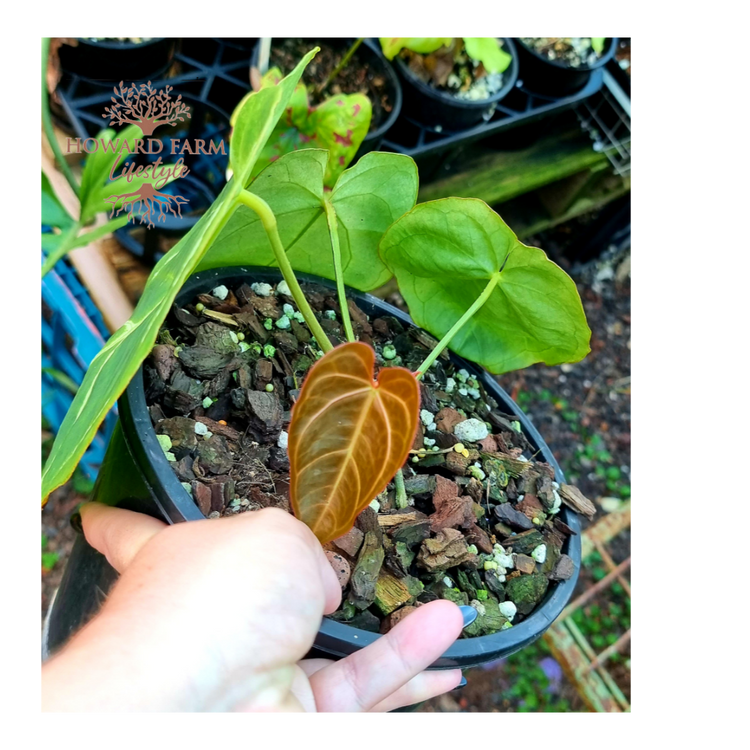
482, 48
466, 277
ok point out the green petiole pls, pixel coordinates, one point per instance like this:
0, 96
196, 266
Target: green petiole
458, 325
267, 218
338, 270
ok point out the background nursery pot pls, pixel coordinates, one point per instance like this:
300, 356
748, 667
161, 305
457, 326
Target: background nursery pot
109, 61
369, 51
430, 106
553, 78
136, 475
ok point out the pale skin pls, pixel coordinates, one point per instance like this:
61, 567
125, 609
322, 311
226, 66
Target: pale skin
217, 616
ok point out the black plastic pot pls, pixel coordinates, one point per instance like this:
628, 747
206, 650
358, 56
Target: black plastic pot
136, 475
432, 107
370, 52
555, 79
105, 62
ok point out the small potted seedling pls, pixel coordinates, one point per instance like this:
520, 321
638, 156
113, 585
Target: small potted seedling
348, 99
453, 83
264, 388
558, 66
106, 60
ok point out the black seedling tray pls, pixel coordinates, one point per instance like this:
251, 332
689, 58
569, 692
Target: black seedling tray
428, 146
213, 75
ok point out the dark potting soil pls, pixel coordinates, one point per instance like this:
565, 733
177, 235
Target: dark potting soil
573, 51
478, 524
357, 76
450, 70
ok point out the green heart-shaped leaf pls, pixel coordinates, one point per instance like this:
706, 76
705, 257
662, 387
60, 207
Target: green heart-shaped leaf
445, 253
367, 198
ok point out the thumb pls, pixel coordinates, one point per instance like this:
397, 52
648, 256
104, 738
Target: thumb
118, 534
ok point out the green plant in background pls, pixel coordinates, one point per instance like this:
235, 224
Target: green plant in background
338, 124
49, 559
496, 301
530, 686
597, 44
484, 50
68, 233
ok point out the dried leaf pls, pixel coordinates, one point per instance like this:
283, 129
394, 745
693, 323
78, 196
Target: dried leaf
348, 437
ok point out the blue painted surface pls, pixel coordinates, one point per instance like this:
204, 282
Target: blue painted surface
73, 333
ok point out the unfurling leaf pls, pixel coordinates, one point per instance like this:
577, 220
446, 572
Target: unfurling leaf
445, 253
488, 51
348, 437
391, 46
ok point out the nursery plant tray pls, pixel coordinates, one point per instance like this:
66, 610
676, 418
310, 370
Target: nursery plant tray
521, 106
214, 74
210, 70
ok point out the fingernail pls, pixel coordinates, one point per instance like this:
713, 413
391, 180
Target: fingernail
75, 522
469, 614
461, 684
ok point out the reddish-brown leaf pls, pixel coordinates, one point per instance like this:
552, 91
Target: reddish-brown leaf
348, 437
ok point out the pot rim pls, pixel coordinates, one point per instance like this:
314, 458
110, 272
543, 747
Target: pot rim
451, 99
388, 122
121, 45
341, 639
605, 57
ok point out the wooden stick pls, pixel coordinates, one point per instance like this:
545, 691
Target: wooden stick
611, 565
588, 595
615, 648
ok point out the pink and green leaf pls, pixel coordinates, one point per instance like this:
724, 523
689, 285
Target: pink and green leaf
338, 124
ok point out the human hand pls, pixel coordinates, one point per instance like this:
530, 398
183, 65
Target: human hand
216, 615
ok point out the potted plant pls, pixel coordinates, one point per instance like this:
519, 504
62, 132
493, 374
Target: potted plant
105, 60
501, 533
344, 68
558, 66
453, 83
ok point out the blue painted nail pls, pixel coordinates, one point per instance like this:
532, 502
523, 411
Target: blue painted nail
469, 614
461, 684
